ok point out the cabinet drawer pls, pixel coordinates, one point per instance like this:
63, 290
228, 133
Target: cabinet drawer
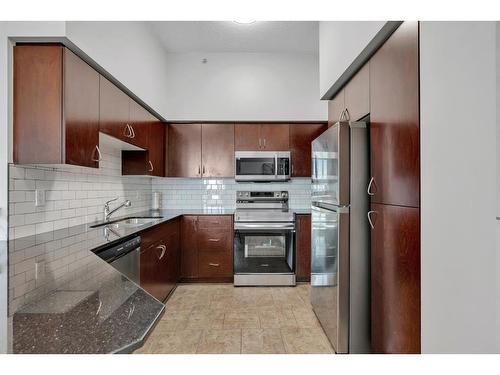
215, 240
213, 221
215, 264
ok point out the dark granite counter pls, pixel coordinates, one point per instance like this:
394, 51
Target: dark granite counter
76, 302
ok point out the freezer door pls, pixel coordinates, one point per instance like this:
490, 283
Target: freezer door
330, 273
330, 166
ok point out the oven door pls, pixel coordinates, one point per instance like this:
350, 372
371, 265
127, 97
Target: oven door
269, 250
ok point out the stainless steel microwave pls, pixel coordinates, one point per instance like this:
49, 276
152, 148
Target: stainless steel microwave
262, 166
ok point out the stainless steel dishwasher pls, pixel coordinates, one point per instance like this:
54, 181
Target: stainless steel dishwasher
124, 257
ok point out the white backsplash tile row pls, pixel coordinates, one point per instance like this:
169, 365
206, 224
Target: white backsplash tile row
184, 193
74, 195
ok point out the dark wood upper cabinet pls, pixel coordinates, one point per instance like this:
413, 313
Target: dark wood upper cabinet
114, 111
247, 137
303, 247
394, 119
139, 121
261, 137
395, 279
301, 136
217, 149
56, 107
335, 108
156, 147
275, 137
150, 162
184, 150
357, 94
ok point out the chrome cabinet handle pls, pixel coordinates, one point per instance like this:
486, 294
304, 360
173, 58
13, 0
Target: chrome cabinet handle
203, 170
133, 131
214, 239
214, 264
163, 249
370, 218
99, 156
199, 169
369, 190
264, 143
260, 143
128, 131
151, 166
344, 115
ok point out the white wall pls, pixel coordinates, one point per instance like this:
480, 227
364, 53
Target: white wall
243, 86
340, 42
130, 52
458, 186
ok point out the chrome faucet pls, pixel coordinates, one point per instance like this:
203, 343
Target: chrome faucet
108, 212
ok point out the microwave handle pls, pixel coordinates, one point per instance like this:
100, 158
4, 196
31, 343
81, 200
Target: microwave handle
276, 165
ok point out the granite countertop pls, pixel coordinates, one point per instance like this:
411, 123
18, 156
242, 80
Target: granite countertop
80, 303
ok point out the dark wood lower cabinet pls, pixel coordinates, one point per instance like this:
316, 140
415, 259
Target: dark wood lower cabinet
207, 248
395, 279
303, 247
160, 259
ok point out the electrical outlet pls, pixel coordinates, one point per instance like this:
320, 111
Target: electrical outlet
39, 198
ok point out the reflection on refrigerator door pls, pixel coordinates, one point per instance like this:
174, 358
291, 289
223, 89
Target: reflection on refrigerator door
324, 280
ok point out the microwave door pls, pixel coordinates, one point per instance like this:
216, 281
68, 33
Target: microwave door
330, 158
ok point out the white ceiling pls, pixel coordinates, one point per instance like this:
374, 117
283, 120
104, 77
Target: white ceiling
228, 36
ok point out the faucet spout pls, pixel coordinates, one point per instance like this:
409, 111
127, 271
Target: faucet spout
108, 212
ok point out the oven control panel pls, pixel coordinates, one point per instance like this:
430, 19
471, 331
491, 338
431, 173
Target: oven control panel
261, 196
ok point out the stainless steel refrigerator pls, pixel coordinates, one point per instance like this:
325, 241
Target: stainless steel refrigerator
340, 250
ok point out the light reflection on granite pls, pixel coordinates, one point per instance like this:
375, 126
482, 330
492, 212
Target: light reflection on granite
65, 299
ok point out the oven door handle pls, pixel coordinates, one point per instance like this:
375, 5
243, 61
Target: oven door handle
241, 226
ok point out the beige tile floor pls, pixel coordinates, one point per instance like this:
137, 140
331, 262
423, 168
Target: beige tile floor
219, 318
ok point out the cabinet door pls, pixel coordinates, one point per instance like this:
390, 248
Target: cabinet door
184, 150
304, 247
139, 121
247, 137
113, 111
301, 136
394, 119
395, 279
217, 148
275, 137
357, 94
81, 111
189, 247
156, 147
37, 104
148, 267
335, 108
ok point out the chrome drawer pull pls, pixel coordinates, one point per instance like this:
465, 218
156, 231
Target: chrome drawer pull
128, 131
163, 249
151, 165
214, 239
133, 131
214, 264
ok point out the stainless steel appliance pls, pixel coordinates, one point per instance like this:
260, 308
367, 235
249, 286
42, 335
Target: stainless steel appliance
264, 240
340, 252
125, 257
261, 166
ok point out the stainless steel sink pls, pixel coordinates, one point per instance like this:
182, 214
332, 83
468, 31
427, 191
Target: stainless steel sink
129, 222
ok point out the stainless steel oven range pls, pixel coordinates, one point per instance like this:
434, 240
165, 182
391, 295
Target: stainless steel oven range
264, 240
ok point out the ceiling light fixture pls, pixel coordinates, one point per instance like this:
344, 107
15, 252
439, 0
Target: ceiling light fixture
245, 22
